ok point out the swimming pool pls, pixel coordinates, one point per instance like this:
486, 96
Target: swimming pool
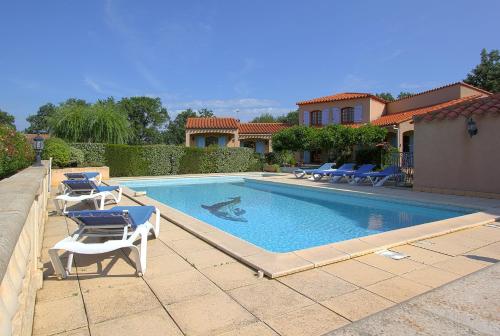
284, 218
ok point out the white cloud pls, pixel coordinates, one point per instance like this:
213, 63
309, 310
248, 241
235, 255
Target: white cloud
93, 84
242, 108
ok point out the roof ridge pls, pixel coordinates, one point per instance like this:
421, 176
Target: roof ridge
443, 87
456, 100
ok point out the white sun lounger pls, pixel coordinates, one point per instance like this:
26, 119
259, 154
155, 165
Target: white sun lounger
127, 222
82, 190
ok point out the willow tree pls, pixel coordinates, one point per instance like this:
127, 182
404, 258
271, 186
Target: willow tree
107, 124
78, 121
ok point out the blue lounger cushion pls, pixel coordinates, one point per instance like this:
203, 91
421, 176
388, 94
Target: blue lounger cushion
84, 175
118, 215
86, 185
106, 188
391, 170
345, 166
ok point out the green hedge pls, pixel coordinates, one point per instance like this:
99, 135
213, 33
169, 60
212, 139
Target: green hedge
150, 160
58, 150
16, 152
153, 160
218, 160
94, 153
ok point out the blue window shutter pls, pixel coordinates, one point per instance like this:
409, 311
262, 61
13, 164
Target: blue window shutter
324, 117
307, 157
336, 115
200, 141
222, 141
306, 118
358, 113
259, 147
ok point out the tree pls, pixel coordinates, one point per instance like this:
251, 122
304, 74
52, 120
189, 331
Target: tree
69, 120
147, 118
291, 118
77, 121
107, 124
40, 120
175, 133
386, 96
404, 94
486, 75
205, 113
296, 138
264, 118
7, 119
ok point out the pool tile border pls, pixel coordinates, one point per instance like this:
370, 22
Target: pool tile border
275, 265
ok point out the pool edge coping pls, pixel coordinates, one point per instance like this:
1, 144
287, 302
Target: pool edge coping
275, 265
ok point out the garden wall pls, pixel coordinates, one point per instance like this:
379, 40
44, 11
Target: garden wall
23, 213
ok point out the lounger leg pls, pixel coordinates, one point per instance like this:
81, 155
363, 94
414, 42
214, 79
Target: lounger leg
69, 264
135, 254
57, 264
335, 179
382, 181
156, 228
58, 206
120, 191
103, 201
144, 252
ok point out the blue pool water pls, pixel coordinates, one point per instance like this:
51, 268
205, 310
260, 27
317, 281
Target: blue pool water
282, 218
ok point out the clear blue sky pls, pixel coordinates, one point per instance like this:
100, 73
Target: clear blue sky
255, 56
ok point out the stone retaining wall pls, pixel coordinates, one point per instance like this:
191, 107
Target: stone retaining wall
23, 213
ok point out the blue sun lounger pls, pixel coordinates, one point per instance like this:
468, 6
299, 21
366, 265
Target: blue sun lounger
317, 174
81, 190
127, 222
378, 179
338, 176
300, 173
93, 176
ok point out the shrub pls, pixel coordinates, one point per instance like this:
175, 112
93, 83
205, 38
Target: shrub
77, 156
94, 153
281, 158
58, 150
16, 152
218, 160
371, 155
126, 160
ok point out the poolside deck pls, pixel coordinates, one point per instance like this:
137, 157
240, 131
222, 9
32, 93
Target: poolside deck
191, 288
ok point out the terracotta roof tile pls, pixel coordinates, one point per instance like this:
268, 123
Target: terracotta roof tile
477, 107
261, 128
340, 96
212, 123
396, 118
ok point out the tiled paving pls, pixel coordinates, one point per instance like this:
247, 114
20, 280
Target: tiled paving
191, 288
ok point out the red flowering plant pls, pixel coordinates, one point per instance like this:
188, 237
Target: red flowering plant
16, 152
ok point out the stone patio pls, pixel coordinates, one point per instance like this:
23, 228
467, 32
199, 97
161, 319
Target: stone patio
191, 288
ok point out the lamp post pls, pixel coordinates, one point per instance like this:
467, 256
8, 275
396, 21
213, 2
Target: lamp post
38, 147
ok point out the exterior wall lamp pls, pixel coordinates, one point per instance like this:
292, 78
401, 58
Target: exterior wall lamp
471, 127
38, 147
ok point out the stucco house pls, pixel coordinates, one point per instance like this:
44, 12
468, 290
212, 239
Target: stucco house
229, 132
450, 157
355, 109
